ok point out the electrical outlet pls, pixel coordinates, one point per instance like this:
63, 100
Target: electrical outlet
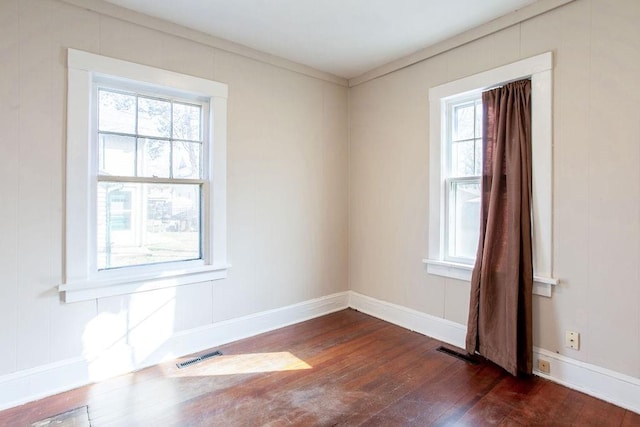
572, 340
544, 366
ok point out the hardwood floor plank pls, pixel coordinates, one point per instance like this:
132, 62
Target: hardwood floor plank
386, 399
597, 412
538, 408
354, 363
631, 419
469, 389
488, 411
343, 369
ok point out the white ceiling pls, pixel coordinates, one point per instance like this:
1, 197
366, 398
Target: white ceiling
342, 37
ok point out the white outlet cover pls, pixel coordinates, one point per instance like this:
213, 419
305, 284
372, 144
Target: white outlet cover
572, 340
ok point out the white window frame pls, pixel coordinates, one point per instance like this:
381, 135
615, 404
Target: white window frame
539, 70
82, 280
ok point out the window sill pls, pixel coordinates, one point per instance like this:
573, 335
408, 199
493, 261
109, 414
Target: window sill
541, 285
93, 289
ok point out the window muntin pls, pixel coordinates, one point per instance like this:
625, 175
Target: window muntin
463, 168
149, 137
150, 148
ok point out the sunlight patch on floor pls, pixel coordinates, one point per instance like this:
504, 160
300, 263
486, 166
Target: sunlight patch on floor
236, 364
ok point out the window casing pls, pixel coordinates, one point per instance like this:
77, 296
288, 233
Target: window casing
146, 178
440, 259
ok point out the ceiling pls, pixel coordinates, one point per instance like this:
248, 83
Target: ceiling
343, 37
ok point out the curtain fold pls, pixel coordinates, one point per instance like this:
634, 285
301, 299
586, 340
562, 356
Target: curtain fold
500, 319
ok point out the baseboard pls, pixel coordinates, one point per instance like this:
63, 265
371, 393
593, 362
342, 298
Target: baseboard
227, 331
613, 387
434, 327
32, 384
36, 383
619, 389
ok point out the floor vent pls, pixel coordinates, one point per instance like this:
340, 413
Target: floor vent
198, 359
466, 357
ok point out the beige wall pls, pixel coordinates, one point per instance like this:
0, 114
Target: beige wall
287, 190
596, 192
290, 166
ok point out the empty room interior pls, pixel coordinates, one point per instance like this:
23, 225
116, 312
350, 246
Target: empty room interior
277, 213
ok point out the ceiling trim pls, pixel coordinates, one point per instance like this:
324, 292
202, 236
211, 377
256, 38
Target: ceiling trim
514, 18
520, 15
114, 11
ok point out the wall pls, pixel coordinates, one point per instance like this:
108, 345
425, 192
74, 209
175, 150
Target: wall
287, 194
596, 191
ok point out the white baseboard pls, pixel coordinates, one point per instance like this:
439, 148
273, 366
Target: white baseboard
32, 384
227, 331
613, 387
36, 383
619, 389
434, 327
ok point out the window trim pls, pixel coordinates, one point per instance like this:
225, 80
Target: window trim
539, 69
80, 281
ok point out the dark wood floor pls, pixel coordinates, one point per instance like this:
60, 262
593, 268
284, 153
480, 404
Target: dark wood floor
346, 368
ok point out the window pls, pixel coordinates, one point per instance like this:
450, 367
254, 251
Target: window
455, 162
463, 154
149, 151
146, 196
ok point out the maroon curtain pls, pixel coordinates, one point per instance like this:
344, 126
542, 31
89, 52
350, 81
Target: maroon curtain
499, 326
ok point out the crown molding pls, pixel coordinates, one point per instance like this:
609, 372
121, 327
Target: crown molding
108, 9
514, 18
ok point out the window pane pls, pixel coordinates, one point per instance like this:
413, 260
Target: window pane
154, 117
116, 112
186, 122
463, 219
186, 159
478, 159
463, 122
462, 159
153, 158
147, 223
479, 119
116, 155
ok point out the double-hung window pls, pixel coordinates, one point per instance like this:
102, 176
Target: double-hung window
146, 185
463, 168
455, 167
150, 177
